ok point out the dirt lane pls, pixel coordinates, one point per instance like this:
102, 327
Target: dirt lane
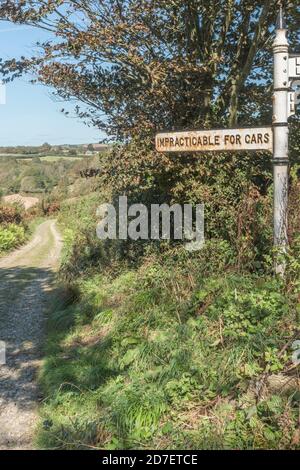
26, 276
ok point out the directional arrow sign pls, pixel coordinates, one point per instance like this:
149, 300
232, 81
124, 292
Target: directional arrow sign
291, 103
293, 97
260, 138
294, 67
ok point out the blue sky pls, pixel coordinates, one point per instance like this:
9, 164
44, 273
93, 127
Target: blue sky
31, 116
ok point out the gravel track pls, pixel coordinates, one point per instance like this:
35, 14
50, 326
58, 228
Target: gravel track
26, 278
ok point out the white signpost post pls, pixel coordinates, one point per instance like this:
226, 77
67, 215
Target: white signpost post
281, 134
285, 100
273, 139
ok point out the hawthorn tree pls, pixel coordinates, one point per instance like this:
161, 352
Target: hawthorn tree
140, 65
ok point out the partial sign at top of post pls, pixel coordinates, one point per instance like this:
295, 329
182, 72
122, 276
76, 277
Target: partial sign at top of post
260, 138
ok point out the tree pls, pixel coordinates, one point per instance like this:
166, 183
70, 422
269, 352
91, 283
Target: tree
140, 65
46, 147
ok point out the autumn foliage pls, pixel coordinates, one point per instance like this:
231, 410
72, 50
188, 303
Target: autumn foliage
9, 215
136, 66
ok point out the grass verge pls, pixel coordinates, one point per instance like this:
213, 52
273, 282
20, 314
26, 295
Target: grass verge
172, 355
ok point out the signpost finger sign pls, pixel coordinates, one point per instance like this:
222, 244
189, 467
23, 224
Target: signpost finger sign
260, 138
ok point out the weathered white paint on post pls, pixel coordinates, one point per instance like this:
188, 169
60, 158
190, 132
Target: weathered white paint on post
280, 129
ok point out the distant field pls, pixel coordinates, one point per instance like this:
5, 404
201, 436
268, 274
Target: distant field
26, 201
47, 158
19, 155
51, 158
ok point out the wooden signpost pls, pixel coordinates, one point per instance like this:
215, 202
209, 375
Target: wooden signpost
273, 139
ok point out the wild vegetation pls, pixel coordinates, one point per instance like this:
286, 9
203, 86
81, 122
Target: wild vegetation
150, 346
34, 176
169, 349
12, 228
49, 180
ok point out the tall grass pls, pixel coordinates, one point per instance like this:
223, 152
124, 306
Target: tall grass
175, 353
